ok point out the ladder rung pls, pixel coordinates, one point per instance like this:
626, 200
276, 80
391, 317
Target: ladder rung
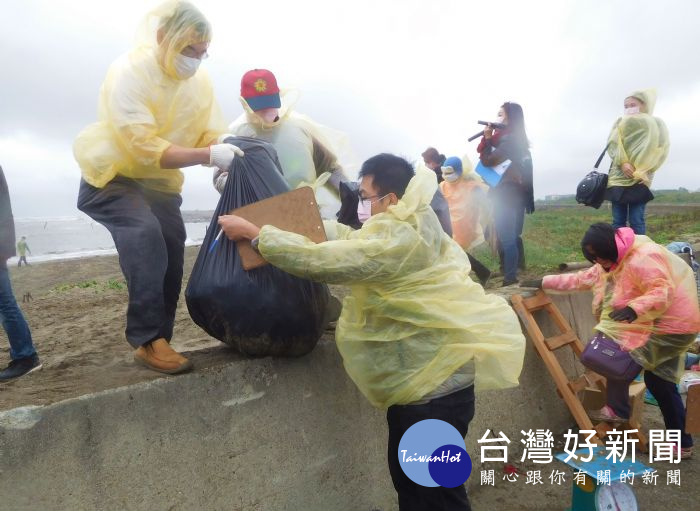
579, 384
537, 302
560, 340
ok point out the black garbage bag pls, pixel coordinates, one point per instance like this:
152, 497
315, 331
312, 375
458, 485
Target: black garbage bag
349, 199
264, 311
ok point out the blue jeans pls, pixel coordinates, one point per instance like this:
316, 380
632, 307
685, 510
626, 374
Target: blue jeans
13, 321
621, 213
509, 217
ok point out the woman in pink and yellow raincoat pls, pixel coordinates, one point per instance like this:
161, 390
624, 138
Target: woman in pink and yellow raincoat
645, 299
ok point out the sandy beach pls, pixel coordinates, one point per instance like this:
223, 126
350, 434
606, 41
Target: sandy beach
77, 316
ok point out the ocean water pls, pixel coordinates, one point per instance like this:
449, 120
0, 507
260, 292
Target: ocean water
77, 236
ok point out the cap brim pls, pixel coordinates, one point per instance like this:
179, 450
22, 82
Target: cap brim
262, 102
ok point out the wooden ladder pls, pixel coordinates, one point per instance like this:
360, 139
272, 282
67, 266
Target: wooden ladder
568, 389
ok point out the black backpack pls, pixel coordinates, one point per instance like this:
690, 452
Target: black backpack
591, 190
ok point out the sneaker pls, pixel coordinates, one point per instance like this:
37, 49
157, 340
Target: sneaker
507, 283
606, 414
686, 452
159, 356
20, 367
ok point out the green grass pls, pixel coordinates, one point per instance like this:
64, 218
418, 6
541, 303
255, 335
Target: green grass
111, 284
553, 236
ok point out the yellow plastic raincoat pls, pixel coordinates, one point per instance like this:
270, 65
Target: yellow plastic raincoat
639, 139
660, 287
305, 148
413, 315
465, 199
144, 106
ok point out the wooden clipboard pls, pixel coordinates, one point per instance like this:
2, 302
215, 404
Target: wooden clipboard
295, 211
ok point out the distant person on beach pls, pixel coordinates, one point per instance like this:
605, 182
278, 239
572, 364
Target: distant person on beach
416, 333
638, 145
23, 356
305, 148
157, 113
22, 249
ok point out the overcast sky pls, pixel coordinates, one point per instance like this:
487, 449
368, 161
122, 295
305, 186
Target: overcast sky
395, 76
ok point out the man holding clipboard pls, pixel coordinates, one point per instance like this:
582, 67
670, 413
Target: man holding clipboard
415, 329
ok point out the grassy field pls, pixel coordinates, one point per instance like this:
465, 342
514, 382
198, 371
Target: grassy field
553, 236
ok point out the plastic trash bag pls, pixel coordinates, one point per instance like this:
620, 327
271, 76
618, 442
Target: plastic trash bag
264, 311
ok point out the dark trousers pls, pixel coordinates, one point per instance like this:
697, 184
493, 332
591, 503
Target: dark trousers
665, 393
456, 409
509, 218
149, 235
22, 259
481, 271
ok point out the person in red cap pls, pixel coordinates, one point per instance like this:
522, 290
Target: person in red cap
303, 146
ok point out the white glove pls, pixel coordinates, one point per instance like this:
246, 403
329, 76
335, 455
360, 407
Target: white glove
223, 137
220, 182
221, 155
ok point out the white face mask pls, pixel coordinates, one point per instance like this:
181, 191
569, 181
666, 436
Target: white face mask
632, 110
451, 178
268, 115
185, 66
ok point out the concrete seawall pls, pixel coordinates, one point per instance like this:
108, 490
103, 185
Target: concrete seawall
253, 434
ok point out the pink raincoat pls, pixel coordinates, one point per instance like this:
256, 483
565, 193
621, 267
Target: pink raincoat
657, 284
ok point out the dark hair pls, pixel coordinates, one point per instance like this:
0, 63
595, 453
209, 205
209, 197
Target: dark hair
516, 121
601, 238
432, 154
389, 173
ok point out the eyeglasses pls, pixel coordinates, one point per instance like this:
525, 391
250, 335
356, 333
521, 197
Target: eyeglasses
363, 199
188, 51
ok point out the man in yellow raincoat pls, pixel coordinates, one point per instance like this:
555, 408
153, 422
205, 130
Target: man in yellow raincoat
156, 113
416, 333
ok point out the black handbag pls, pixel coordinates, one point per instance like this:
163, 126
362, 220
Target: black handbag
591, 190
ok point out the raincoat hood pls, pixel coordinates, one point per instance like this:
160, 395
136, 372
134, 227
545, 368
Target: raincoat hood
419, 193
177, 24
624, 239
646, 96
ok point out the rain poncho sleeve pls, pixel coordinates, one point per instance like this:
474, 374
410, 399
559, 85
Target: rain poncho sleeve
413, 316
580, 281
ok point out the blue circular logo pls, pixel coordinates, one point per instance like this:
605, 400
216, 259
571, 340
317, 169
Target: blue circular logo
432, 453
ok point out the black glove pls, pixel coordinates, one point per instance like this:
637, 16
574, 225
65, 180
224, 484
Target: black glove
626, 315
532, 283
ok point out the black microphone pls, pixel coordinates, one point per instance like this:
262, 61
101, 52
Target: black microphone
496, 125
481, 133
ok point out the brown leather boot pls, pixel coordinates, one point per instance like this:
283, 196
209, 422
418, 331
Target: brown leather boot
159, 356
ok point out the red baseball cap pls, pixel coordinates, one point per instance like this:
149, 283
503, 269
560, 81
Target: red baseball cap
259, 89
